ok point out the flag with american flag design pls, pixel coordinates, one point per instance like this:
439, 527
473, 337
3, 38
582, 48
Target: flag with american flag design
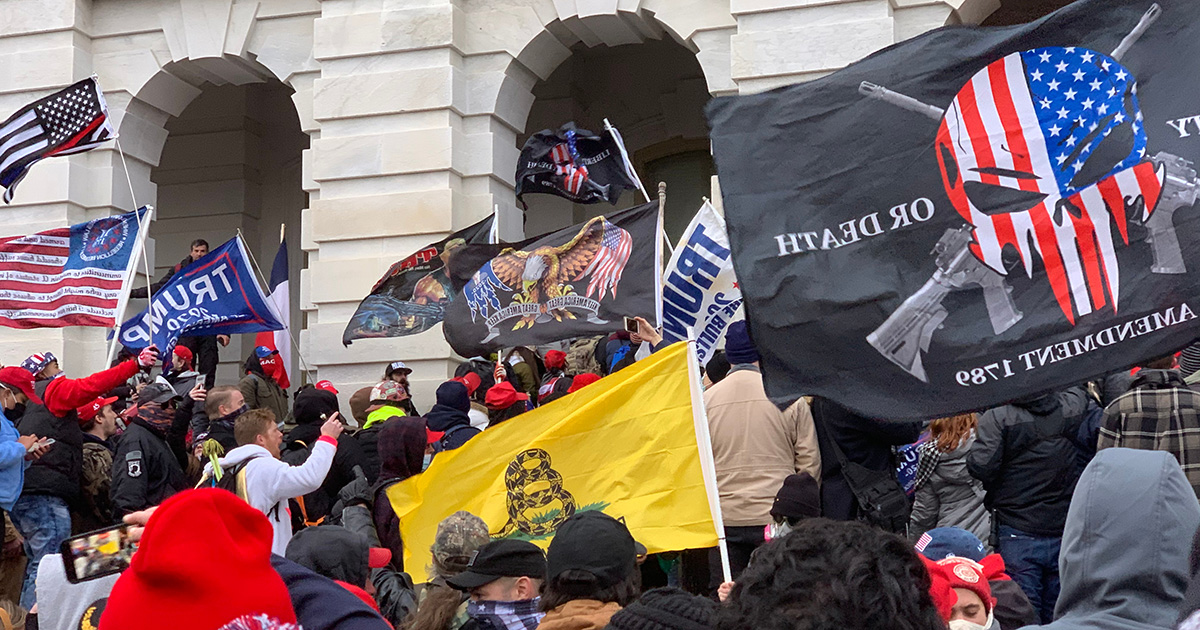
72, 120
577, 281
975, 215
575, 164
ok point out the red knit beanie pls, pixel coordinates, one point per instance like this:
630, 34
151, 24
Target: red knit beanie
955, 572
581, 381
203, 561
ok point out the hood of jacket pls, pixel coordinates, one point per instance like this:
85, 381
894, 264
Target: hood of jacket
1127, 538
1040, 405
334, 552
401, 448
442, 417
311, 404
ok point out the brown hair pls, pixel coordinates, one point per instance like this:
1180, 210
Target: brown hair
950, 433
218, 396
437, 609
252, 424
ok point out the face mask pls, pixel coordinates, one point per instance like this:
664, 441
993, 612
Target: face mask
963, 624
426, 461
16, 412
778, 530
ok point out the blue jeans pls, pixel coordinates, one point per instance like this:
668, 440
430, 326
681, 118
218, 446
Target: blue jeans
1032, 562
44, 522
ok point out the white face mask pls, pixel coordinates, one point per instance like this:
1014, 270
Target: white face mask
963, 624
425, 463
777, 530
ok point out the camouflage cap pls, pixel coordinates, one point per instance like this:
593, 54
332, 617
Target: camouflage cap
458, 536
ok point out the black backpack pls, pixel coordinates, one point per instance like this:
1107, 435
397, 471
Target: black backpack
443, 443
880, 497
306, 507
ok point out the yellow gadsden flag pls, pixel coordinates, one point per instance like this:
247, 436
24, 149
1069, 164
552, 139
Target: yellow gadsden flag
625, 445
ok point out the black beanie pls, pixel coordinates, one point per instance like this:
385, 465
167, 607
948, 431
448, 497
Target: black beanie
798, 498
666, 608
454, 395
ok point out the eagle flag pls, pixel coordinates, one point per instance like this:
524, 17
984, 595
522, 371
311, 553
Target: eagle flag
412, 295
581, 280
975, 215
626, 445
574, 164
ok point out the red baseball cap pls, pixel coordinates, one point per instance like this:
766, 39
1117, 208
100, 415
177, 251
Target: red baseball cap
327, 386
183, 353
432, 436
503, 395
581, 381
20, 380
471, 381
89, 411
556, 359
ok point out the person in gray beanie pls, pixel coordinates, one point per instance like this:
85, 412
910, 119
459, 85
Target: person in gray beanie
755, 447
666, 608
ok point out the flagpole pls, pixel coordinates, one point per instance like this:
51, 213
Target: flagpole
139, 249
494, 233
658, 256
146, 230
708, 466
304, 365
625, 158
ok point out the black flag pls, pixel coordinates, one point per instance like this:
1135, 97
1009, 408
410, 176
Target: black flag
975, 215
412, 296
575, 164
581, 280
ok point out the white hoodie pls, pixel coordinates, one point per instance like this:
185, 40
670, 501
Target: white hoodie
271, 482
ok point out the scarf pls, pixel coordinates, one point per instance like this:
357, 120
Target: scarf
156, 416
520, 615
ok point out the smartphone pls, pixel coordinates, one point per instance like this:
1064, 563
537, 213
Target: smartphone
97, 554
631, 324
40, 443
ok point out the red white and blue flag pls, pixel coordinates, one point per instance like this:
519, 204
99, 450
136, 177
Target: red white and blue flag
71, 276
279, 297
71, 120
606, 267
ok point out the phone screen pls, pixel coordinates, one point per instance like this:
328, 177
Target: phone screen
97, 554
631, 324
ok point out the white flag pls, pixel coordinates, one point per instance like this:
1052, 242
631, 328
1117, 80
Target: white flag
699, 288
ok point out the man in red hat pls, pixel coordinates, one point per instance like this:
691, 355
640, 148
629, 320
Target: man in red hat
181, 376
99, 424
16, 450
42, 515
504, 402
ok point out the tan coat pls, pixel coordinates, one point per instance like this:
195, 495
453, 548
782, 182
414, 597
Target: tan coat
579, 614
756, 446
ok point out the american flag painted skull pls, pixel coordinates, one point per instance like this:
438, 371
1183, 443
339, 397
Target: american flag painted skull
1043, 152
565, 157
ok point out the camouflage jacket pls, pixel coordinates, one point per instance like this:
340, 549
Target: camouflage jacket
96, 507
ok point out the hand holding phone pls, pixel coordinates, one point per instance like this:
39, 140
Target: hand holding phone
97, 553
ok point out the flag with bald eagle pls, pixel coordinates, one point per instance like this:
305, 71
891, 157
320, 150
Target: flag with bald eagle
578, 281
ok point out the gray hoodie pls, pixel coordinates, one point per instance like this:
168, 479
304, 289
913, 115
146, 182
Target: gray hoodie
1124, 559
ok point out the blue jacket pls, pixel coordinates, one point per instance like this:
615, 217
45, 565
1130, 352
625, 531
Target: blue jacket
12, 464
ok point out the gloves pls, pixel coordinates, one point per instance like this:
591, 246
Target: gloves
148, 357
357, 492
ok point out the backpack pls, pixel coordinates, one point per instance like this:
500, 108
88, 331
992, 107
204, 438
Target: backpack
443, 443
880, 497
295, 453
233, 479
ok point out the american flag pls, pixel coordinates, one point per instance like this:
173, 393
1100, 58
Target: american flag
69, 121
609, 263
574, 175
1041, 151
68, 276
923, 542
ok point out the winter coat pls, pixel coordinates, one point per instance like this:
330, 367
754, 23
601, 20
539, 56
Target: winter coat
12, 463
368, 438
59, 471
401, 453
183, 381
96, 508
310, 405
453, 422
1025, 455
261, 392
579, 614
145, 471
581, 357
1013, 609
951, 497
865, 441
1125, 546
394, 590
756, 446
269, 483
321, 604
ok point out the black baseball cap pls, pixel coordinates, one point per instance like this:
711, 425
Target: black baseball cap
501, 558
595, 542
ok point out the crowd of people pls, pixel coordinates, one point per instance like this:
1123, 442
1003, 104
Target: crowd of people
256, 509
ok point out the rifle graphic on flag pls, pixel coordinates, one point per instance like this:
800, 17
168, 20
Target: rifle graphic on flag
279, 296
71, 120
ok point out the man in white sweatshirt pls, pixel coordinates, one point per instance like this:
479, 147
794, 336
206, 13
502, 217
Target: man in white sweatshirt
266, 481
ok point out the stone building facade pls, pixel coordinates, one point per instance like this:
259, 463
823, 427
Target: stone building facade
368, 128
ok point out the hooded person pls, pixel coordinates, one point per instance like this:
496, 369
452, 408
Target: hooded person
1124, 560
340, 555
450, 416
1012, 609
504, 403
402, 454
146, 468
386, 403
260, 386
313, 407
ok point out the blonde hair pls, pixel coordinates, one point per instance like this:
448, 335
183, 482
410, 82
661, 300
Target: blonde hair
950, 433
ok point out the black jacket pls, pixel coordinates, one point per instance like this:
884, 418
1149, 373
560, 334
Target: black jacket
443, 418
863, 441
144, 293
145, 470
59, 472
310, 404
321, 604
1025, 455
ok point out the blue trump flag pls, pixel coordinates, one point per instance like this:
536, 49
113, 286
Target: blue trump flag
214, 295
